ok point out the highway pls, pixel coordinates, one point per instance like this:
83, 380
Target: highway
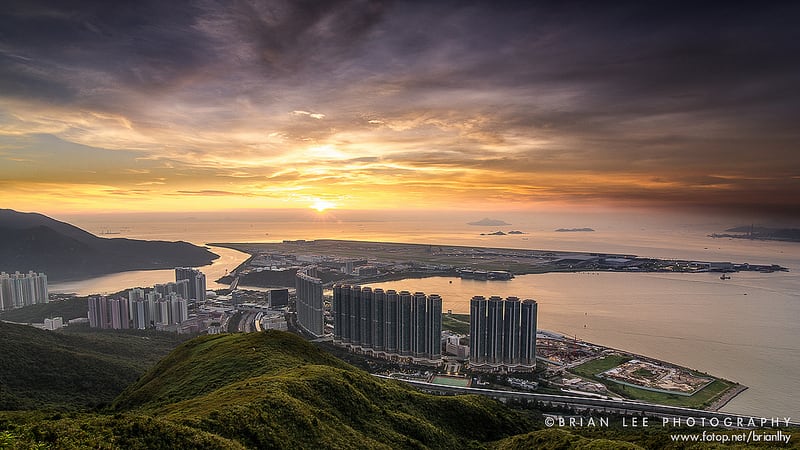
613, 406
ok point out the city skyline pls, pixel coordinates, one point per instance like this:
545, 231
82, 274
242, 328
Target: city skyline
365, 105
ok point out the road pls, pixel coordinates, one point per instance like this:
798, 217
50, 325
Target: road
622, 407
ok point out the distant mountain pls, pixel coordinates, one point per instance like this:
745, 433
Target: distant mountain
761, 233
31, 241
487, 222
574, 230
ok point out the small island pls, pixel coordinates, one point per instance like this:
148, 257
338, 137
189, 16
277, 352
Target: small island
760, 234
487, 222
574, 230
502, 233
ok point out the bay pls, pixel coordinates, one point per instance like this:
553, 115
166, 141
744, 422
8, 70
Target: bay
228, 260
743, 329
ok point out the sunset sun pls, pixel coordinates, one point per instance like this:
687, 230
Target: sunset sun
322, 205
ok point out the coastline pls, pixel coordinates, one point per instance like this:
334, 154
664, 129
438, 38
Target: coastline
402, 260
726, 397
429, 265
717, 402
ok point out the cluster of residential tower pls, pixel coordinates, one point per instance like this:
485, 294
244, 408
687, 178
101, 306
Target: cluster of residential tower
408, 327
390, 324
162, 306
22, 289
502, 333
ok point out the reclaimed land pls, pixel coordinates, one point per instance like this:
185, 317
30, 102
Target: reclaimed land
425, 260
705, 398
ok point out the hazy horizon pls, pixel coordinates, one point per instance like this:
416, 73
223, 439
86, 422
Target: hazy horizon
600, 218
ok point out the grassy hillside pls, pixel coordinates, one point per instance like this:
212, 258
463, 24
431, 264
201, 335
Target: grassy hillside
562, 439
95, 431
75, 369
211, 362
275, 390
270, 389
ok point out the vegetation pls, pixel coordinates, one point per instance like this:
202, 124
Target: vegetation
700, 399
457, 323
122, 431
75, 369
644, 373
596, 366
274, 390
71, 308
561, 439
233, 322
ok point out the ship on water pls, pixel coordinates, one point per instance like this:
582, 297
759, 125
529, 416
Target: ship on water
485, 275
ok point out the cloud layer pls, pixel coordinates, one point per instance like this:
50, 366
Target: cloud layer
379, 104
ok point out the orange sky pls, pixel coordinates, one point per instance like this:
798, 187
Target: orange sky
279, 105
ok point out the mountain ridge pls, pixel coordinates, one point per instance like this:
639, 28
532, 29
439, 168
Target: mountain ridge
33, 241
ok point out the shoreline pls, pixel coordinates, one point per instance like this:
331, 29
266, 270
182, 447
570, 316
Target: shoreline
726, 397
409, 261
717, 403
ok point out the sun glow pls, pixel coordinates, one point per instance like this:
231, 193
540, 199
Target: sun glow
321, 205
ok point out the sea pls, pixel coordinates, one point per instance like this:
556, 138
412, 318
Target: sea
745, 329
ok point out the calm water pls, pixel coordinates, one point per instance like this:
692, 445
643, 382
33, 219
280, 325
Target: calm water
108, 284
742, 329
745, 329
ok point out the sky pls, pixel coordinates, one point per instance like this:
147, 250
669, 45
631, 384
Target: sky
371, 105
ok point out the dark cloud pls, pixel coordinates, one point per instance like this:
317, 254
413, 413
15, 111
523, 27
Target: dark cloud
287, 36
695, 95
144, 45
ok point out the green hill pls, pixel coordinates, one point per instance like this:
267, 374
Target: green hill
75, 369
211, 362
275, 390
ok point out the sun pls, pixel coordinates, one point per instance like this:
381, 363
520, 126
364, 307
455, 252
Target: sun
321, 205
